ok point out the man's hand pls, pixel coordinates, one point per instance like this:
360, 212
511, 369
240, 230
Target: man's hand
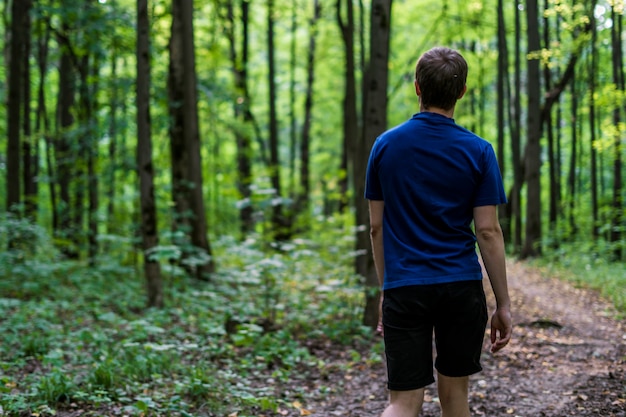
501, 328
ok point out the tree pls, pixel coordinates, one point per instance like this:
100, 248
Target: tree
618, 79
277, 221
19, 16
239, 62
349, 102
302, 201
374, 123
30, 155
533, 147
145, 168
185, 143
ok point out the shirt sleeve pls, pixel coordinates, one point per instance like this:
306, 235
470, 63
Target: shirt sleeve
490, 189
373, 188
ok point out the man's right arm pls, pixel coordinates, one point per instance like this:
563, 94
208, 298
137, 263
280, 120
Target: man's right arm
491, 244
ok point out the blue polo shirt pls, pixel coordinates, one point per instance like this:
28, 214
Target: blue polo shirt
431, 173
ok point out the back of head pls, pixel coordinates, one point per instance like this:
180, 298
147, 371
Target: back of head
441, 74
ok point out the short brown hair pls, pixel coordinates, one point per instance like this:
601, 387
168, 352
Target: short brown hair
441, 74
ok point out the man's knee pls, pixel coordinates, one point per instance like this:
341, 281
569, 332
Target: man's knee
453, 395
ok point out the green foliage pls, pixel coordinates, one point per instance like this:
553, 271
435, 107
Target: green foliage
79, 336
590, 264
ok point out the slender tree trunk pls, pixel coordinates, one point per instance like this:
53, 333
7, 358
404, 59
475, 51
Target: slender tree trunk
149, 233
503, 63
303, 201
19, 12
92, 161
63, 155
242, 114
532, 242
516, 148
42, 123
293, 125
30, 149
618, 79
277, 221
375, 123
571, 179
547, 79
593, 71
112, 150
350, 118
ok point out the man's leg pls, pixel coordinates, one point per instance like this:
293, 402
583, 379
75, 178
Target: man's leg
453, 395
404, 403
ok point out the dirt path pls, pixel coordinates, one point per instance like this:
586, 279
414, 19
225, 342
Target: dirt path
568, 358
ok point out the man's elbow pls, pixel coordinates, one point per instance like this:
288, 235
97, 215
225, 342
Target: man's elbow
376, 230
489, 233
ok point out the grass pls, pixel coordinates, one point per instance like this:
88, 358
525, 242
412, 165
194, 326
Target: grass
589, 266
79, 338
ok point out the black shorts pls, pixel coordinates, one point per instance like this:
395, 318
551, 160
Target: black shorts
457, 312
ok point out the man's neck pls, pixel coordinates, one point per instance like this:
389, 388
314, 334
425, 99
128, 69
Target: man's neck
447, 113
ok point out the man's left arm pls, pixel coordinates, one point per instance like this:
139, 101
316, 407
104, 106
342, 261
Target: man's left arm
376, 236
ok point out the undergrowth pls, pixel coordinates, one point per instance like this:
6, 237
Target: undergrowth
589, 265
77, 338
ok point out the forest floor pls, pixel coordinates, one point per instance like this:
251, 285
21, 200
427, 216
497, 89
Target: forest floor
567, 358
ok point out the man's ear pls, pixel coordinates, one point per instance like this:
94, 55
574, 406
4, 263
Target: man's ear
417, 88
463, 92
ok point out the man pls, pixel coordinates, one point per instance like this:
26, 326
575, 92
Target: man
427, 180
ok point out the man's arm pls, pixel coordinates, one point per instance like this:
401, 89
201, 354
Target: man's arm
376, 236
491, 244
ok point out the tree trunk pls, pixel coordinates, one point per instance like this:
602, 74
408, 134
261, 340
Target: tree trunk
112, 133
19, 13
63, 155
618, 79
243, 116
145, 168
42, 121
92, 161
593, 155
503, 63
571, 178
186, 152
278, 227
549, 126
30, 149
303, 201
516, 134
350, 118
375, 123
532, 241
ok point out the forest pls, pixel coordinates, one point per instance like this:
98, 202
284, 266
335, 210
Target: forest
183, 223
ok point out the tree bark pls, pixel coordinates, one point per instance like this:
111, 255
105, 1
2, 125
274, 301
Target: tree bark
149, 232
618, 79
349, 103
185, 136
532, 241
593, 155
242, 114
19, 13
30, 149
303, 201
63, 155
278, 225
375, 123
